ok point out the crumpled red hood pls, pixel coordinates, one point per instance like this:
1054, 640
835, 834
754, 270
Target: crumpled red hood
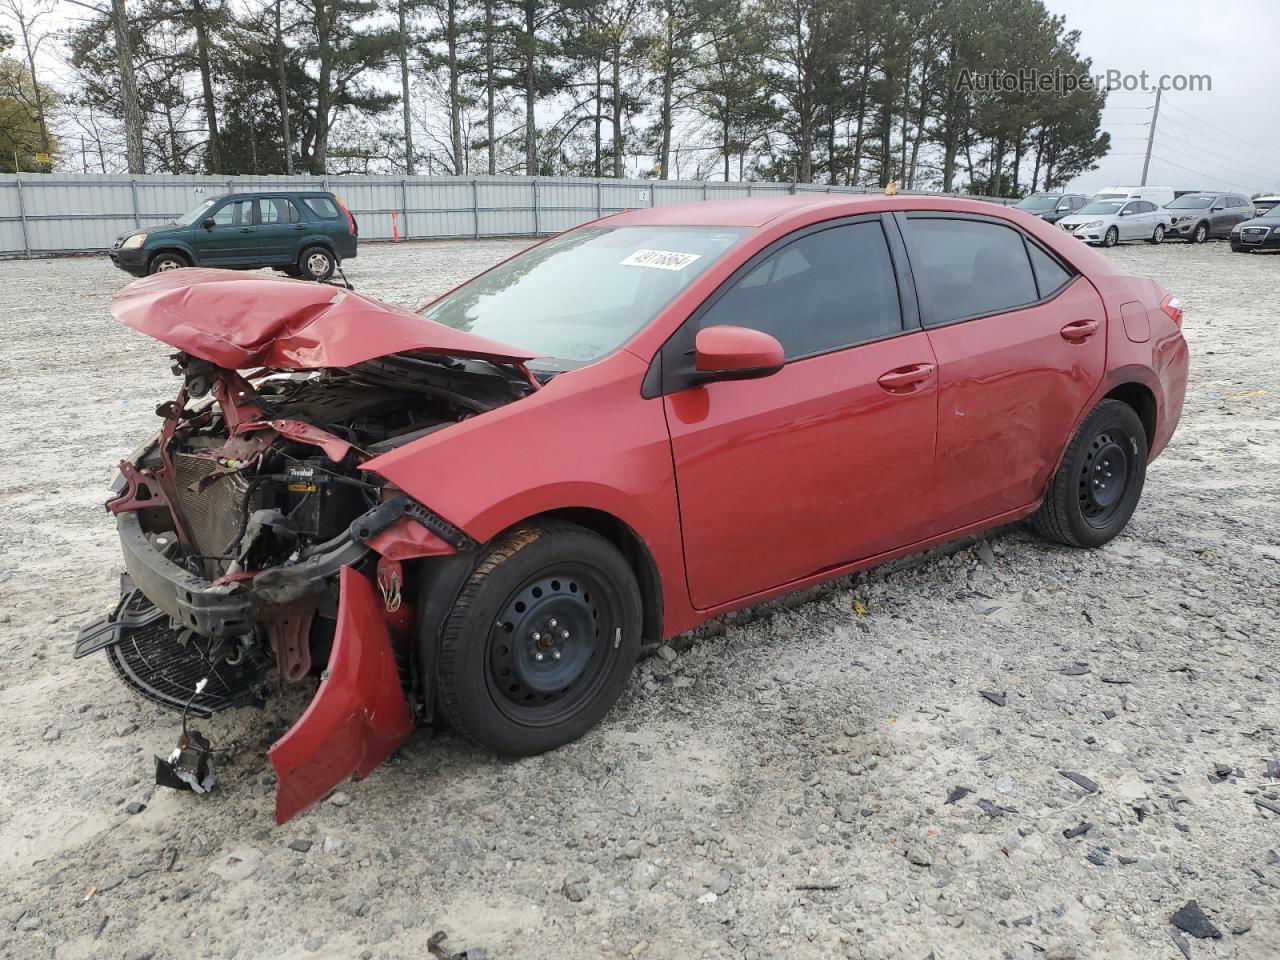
238, 320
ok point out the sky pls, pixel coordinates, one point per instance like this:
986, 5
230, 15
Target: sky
1224, 138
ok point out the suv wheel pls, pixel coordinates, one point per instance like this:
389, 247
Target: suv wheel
316, 263
1201, 233
1098, 483
166, 261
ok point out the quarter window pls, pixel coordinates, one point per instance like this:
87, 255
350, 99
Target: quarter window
821, 292
968, 268
1051, 276
322, 207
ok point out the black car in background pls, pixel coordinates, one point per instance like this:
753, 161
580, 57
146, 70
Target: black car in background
1051, 207
1259, 233
1197, 217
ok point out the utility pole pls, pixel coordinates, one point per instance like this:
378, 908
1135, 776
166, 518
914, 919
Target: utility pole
1151, 137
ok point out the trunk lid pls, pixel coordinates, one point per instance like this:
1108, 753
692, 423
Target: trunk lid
238, 321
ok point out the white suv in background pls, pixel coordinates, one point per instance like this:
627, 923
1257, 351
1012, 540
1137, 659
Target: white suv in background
1107, 222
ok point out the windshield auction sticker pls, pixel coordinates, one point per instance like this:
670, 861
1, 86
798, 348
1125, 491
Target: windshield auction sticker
660, 259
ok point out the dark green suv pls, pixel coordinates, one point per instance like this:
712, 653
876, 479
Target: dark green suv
304, 234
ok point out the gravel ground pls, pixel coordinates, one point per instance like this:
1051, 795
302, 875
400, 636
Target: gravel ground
786, 785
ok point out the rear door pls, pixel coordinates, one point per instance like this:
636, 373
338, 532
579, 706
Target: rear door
1020, 342
231, 239
826, 461
280, 228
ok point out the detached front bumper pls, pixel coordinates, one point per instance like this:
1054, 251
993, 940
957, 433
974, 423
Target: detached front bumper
360, 713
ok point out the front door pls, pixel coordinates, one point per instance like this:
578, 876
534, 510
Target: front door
231, 238
1020, 341
828, 460
279, 230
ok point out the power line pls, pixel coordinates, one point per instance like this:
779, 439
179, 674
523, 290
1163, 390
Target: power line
1238, 166
1236, 139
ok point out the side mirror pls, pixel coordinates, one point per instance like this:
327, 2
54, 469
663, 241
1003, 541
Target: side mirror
208, 224
726, 352
1125, 213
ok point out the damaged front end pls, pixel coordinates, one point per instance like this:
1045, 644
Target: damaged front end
259, 550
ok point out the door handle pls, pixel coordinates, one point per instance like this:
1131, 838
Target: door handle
906, 379
1078, 331
246, 229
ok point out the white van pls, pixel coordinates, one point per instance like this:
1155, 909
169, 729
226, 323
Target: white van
1157, 195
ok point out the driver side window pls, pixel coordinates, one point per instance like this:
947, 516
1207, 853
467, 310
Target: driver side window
827, 290
236, 214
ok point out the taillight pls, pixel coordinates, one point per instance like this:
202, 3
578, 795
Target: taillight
351, 221
1172, 308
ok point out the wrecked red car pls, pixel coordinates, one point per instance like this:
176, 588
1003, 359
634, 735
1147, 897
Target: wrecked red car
482, 511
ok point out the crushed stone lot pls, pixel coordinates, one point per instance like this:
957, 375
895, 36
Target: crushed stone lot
819, 778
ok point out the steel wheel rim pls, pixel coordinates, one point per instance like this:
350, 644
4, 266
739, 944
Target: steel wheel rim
536, 676
318, 264
1104, 477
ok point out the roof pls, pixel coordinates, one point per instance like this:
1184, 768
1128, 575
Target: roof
758, 211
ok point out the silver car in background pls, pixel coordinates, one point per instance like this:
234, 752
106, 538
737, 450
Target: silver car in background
1107, 222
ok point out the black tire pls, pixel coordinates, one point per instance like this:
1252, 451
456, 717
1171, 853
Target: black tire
504, 678
1157, 235
316, 263
1200, 234
1111, 237
163, 262
1082, 508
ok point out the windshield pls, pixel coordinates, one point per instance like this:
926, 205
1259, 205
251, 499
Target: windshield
1189, 203
1038, 203
1110, 196
195, 213
1273, 213
581, 295
1101, 206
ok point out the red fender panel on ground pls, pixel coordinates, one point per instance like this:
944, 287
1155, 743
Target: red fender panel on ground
359, 714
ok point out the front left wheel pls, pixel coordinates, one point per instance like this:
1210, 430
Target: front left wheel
164, 262
541, 640
1096, 487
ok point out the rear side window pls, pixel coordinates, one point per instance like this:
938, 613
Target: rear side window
1051, 276
277, 210
968, 268
323, 207
824, 291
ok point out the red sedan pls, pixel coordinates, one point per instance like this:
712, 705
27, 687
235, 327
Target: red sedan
482, 511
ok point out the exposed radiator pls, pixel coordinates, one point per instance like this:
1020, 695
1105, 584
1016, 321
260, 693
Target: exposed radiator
213, 515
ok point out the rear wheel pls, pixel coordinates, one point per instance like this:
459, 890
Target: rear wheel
163, 262
1158, 235
541, 641
316, 263
1097, 485
1111, 237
